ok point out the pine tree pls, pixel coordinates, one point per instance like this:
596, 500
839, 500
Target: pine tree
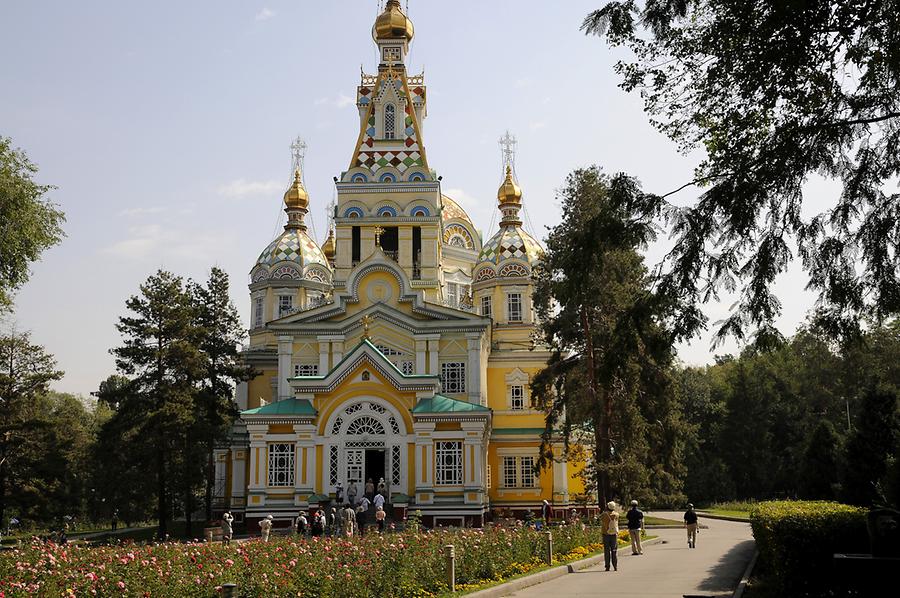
607, 329
26, 371
160, 355
871, 446
819, 474
220, 334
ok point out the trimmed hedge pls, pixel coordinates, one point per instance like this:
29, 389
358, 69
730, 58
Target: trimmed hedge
797, 541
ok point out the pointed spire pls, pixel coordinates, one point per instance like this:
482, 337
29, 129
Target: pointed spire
328, 247
296, 202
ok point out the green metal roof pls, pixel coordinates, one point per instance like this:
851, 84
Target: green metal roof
285, 407
517, 431
442, 404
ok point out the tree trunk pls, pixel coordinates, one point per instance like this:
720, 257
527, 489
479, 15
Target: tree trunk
162, 505
210, 481
601, 425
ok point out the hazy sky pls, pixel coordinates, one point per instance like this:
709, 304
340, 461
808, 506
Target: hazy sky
166, 127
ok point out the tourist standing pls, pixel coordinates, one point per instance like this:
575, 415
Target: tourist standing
352, 491
318, 523
378, 501
349, 520
635, 526
362, 512
370, 489
227, 530
301, 523
609, 527
546, 512
690, 523
379, 517
332, 522
339, 494
115, 519
265, 527
382, 488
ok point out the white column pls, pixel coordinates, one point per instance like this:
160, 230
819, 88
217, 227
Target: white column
337, 350
238, 472
285, 353
324, 348
424, 460
473, 369
421, 348
258, 465
433, 354
560, 476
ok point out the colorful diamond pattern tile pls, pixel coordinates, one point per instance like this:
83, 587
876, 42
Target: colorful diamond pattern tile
292, 246
510, 242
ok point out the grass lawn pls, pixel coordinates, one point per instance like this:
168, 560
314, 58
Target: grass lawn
738, 510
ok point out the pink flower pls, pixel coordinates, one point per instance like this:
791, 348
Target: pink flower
121, 585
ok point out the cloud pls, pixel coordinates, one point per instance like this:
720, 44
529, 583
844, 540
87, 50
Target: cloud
537, 125
155, 242
265, 14
131, 212
242, 188
341, 100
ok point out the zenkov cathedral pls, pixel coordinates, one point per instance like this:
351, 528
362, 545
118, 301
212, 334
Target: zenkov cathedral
403, 347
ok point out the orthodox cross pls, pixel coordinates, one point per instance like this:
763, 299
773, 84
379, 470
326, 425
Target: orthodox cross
366, 321
508, 149
298, 154
378, 232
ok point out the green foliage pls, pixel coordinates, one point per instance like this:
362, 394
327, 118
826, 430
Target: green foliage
763, 89
821, 462
608, 381
180, 357
797, 540
29, 223
873, 443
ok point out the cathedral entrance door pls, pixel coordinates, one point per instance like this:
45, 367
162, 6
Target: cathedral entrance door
355, 464
374, 465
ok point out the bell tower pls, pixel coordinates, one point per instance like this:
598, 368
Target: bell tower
389, 199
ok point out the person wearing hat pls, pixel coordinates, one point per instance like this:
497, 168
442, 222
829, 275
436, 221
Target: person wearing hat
635, 526
690, 522
265, 527
609, 527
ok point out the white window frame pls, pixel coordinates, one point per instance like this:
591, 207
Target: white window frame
281, 464
259, 311
453, 377
514, 311
487, 308
390, 132
282, 311
517, 472
448, 463
306, 369
518, 378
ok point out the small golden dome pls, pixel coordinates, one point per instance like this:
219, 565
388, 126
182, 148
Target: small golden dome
509, 191
392, 23
296, 197
328, 245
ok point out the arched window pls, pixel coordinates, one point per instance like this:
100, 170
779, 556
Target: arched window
389, 121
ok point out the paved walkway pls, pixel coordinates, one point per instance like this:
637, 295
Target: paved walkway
668, 569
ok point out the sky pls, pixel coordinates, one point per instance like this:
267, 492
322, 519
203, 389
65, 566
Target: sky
165, 127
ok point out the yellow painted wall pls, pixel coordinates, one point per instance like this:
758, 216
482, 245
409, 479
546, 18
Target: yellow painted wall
260, 388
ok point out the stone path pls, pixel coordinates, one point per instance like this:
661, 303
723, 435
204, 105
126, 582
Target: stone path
668, 569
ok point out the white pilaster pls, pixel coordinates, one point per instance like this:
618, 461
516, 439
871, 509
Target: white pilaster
238, 473
473, 369
433, 355
560, 476
285, 352
421, 348
240, 396
324, 349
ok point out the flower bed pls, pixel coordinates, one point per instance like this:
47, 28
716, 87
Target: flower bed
400, 565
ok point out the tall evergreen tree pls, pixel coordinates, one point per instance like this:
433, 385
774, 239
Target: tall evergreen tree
160, 355
606, 328
820, 470
871, 447
26, 371
220, 335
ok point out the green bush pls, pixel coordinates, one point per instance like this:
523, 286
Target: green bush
797, 541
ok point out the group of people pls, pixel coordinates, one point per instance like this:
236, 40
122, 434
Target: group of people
609, 528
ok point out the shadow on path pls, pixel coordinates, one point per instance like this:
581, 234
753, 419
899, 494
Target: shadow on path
725, 575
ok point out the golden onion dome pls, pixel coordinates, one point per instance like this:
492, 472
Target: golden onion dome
392, 23
296, 196
328, 246
509, 191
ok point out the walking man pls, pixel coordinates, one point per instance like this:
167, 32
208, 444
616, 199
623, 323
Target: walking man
265, 527
635, 527
690, 522
546, 511
609, 527
352, 491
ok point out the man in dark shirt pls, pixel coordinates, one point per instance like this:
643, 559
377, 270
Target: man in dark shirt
635, 526
690, 522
